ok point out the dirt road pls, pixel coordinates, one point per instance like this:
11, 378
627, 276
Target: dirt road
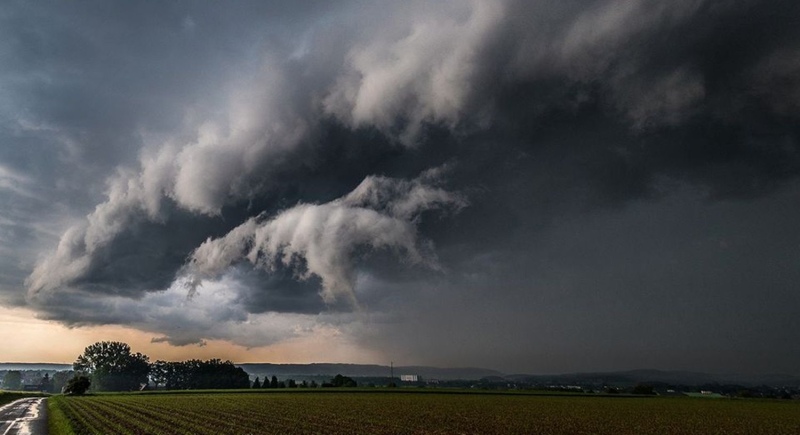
24, 417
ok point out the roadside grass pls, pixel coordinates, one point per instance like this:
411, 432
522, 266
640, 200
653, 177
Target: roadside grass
57, 421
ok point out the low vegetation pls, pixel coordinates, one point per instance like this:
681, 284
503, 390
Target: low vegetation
346, 412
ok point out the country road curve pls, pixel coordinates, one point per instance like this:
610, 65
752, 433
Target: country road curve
24, 417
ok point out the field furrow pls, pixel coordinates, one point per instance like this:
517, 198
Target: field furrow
345, 412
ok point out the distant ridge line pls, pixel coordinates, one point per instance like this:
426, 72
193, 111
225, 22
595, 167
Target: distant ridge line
285, 370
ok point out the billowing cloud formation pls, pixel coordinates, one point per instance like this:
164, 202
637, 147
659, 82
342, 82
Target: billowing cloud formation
320, 240
268, 147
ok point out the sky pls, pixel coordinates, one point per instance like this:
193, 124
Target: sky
527, 186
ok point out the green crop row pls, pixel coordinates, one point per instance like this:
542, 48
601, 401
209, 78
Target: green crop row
354, 413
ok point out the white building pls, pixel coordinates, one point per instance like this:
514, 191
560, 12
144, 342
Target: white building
409, 378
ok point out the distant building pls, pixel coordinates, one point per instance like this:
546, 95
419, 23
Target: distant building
409, 378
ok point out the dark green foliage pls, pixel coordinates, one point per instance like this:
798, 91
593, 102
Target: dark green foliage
113, 367
291, 383
196, 374
274, 382
340, 381
257, 383
159, 373
77, 385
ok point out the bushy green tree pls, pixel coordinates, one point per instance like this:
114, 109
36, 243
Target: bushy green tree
113, 367
77, 385
343, 381
159, 373
196, 374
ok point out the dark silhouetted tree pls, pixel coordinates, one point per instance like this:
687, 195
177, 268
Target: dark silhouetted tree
257, 383
77, 385
274, 382
343, 381
159, 373
291, 383
46, 384
212, 374
112, 366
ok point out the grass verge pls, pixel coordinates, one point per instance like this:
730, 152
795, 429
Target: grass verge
57, 421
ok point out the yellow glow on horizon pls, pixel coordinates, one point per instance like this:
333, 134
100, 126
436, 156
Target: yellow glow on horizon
28, 339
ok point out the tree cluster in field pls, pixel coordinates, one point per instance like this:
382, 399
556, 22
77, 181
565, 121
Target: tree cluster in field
275, 383
196, 374
111, 366
336, 381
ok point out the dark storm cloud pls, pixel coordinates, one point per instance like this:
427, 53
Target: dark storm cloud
428, 163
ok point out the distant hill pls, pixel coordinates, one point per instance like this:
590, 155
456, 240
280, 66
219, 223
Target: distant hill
629, 377
34, 366
660, 376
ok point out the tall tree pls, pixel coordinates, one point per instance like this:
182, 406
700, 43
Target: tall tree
113, 367
257, 383
46, 384
274, 382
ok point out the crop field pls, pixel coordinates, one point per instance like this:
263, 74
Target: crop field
414, 413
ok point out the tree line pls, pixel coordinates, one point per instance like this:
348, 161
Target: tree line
336, 381
112, 366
